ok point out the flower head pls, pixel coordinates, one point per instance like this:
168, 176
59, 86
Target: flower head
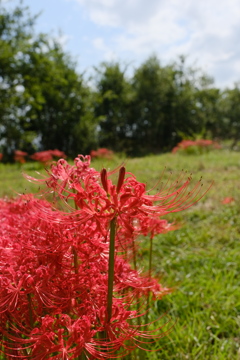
99, 200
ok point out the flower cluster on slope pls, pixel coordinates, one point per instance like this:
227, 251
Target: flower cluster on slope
20, 156
189, 146
47, 156
43, 157
102, 153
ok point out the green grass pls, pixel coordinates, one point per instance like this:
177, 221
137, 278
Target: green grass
200, 261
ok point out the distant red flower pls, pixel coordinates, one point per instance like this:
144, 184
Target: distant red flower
20, 156
1, 156
191, 144
228, 200
102, 153
48, 155
42, 156
58, 154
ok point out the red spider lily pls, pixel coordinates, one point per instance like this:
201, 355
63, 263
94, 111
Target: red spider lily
20, 156
37, 275
67, 289
102, 153
130, 205
42, 156
200, 143
83, 184
58, 154
228, 200
155, 225
48, 155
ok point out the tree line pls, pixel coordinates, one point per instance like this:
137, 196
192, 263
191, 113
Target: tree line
46, 104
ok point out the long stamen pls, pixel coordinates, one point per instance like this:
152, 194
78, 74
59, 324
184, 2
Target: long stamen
149, 275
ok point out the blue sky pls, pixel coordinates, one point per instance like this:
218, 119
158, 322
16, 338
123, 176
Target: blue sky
206, 31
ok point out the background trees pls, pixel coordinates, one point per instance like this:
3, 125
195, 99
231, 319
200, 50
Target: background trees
153, 96
57, 95
113, 98
44, 100
164, 105
15, 30
229, 107
47, 104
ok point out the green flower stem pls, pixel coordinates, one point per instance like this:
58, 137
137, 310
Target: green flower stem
75, 259
82, 356
149, 274
30, 310
134, 255
150, 257
135, 268
111, 268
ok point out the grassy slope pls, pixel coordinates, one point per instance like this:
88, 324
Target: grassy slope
200, 260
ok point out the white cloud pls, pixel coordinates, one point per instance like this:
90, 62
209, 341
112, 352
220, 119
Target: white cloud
115, 13
109, 54
206, 30
63, 39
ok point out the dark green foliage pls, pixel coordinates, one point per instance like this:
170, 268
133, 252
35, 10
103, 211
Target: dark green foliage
151, 111
59, 106
230, 109
14, 37
208, 112
44, 102
153, 99
113, 100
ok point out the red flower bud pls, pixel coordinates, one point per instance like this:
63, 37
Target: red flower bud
121, 177
104, 179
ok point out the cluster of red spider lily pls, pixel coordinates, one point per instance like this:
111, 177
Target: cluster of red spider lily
43, 157
102, 153
185, 145
20, 156
67, 288
47, 156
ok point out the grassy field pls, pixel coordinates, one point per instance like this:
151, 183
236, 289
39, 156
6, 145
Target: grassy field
200, 261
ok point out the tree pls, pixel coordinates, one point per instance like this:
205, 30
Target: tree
113, 98
208, 113
166, 105
58, 98
15, 29
152, 88
229, 106
45, 102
